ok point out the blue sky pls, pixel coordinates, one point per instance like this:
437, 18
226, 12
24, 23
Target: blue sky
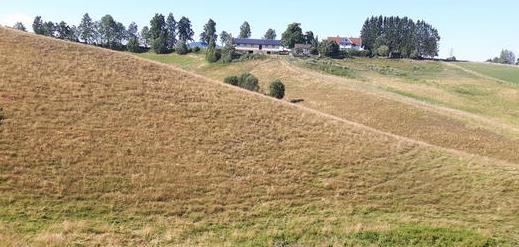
473, 29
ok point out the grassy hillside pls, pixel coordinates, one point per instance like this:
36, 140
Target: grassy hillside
501, 72
103, 148
427, 101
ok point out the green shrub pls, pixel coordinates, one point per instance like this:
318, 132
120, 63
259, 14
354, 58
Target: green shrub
250, 56
232, 80
181, 48
329, 49
356, 53
212, 55
277, 89
383, 51
196, 49
249, 82
245, 81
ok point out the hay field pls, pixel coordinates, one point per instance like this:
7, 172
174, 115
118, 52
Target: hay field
427, 101
102, 148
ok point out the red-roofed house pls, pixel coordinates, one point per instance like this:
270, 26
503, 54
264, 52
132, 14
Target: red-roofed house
347, 43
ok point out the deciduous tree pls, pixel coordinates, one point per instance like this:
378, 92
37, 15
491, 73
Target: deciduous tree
185, 31
209, 33
270, 34
225, 38
245, 31
171, 27
293, 35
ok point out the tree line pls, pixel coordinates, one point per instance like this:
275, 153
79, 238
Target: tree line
383, 36
400, 37
162, 34
506, 57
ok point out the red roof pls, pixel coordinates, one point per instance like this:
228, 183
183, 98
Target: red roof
346, 41
356, 41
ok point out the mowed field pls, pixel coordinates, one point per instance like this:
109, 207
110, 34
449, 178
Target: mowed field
507, 73
103, 148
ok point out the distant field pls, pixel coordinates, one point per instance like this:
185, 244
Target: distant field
501, 72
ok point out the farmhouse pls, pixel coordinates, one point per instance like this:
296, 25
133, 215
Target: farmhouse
262, 46
347, 43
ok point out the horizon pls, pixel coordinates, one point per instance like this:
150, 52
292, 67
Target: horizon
456, 35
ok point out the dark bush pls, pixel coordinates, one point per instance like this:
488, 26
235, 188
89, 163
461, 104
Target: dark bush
249, 82
356, 53
212, 55
232, 80
277, 89
181, 48
245, 81
196, 49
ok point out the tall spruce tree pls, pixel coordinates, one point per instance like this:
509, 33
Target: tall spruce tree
87, 29
37, 25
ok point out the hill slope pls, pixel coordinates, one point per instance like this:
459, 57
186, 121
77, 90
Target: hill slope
423, 100
101, 147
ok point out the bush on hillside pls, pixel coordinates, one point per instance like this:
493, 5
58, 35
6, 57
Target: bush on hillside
232, 80
277, 89
228, 53
383, 51
249, 81
246, 81
196, 49
212, 55
181, 48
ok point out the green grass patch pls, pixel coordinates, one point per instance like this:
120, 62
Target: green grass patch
501, 72
183, 61
422, 236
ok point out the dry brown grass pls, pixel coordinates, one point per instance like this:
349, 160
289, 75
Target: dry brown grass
363, 101
101, 147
